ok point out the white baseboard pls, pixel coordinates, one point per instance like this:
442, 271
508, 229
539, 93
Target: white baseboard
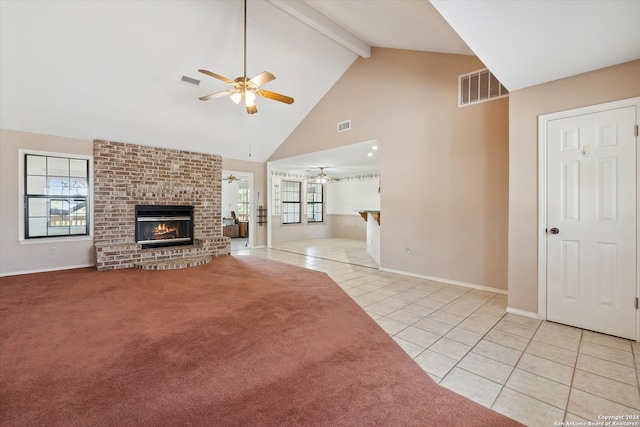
45, 270
524, 313
448, 281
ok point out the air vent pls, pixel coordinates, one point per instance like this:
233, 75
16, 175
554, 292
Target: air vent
191, 80
344, 126
479, 86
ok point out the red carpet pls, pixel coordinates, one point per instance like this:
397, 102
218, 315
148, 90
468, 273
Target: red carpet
241, 341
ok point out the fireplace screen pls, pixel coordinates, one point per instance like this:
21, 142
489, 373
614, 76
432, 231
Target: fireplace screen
158, 226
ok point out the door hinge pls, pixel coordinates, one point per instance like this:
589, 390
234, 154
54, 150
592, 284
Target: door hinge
635, 130
636, 303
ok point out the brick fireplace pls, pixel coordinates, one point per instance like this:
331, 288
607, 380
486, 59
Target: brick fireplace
127, 175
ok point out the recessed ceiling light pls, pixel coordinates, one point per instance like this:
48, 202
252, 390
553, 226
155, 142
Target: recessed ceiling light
370, 154
375, 147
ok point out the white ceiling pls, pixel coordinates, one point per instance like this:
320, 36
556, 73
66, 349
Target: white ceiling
349, 160
111, 69
529, 42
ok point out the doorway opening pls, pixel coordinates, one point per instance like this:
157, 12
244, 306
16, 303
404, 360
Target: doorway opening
238, 209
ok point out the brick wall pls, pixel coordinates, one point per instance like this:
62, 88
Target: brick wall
126, 175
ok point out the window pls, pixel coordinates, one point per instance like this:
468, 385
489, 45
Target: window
314, 202
479, 86
56, 196
291, 202
243, 204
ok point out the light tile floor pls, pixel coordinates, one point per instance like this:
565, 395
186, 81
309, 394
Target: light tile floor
539, 373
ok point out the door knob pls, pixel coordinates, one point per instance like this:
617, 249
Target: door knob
554, 230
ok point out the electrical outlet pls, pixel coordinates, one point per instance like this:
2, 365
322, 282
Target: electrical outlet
52, 250
408, 252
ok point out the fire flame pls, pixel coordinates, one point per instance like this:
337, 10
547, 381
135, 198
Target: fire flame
163, 231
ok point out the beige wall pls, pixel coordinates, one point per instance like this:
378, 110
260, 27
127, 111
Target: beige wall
348, 226
257, 233
16, 257
23, 258
608, 84
444, 169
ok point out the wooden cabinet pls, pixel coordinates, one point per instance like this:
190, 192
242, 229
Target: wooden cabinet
243, 228
231, 231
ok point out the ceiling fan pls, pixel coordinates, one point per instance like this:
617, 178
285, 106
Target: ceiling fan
232, 178
323, 178
244, 88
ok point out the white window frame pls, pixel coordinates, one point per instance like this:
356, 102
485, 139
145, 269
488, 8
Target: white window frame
314, 203
21, 198
301, 202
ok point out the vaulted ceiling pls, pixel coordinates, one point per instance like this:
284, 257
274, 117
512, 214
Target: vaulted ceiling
112, 69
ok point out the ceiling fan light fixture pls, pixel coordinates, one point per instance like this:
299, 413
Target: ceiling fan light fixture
244, 87
236, 97
249, 98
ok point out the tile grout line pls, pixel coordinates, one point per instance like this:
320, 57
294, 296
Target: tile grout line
472, 347
573, 374
454, 326
514, 367
635, 367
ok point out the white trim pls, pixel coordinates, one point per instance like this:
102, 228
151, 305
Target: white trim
57, 239
448, 281
253, 214
269, 204
45, 270
543, 121
529, 314
21, 209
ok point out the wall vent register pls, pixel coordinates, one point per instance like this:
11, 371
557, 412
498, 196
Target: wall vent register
479, 86
344, 126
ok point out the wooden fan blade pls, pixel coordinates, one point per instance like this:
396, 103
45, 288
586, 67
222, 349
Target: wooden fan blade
262, 78
216, 76
275, 96
252, 110
215, 95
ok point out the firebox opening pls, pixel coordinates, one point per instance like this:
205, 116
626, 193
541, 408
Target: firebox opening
160, 225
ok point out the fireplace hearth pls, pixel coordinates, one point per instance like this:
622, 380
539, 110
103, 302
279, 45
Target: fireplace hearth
162, 225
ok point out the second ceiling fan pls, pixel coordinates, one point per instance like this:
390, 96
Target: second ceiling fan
323, 177
244, 88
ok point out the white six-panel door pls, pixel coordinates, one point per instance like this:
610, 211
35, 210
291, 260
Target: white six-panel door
591, 235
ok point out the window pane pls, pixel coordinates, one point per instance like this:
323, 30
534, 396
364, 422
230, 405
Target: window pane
79, 187
37, 207
78, 230
59, 231
36, 165
37, 227
37, 185
59, 213
78, 168
58, 186
57, 166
